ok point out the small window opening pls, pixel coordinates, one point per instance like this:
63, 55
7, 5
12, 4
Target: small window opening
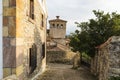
42, 22
57, 25
43, 50
32, 9
61, 26
53, 25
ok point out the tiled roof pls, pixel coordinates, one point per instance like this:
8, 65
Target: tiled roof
57, 20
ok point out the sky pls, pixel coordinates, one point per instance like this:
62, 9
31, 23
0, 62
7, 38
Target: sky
79, 10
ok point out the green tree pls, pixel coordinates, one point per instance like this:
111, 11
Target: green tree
95, 32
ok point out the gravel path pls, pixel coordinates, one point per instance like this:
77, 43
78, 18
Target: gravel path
65, 72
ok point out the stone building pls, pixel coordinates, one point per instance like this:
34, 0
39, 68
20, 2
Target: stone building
24, 37
106, 63
58, 30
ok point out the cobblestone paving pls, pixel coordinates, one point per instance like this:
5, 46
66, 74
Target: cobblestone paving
64, 72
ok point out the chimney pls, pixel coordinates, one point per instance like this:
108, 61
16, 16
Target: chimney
57, 17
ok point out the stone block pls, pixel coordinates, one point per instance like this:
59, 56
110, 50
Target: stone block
115, 70
13, 70
76, 60
13, 42
19, 41
5, 21
6, 42
12, 77
5, 3
6, 72
19, 55
19, 70
12, 21
12, 31
12, 27
9, 57
9, 11
12, 3
5, 31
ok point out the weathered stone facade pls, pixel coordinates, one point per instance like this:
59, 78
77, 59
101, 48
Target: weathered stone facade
106, 62
24, 38
59, 56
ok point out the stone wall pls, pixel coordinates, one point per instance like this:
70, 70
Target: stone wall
9, 35
60, 41
60, 56
106, 62
20, 34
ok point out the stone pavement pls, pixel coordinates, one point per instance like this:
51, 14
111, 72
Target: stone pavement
65, 72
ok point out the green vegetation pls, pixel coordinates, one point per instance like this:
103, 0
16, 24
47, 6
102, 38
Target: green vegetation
86, 58
95, 32
114, 78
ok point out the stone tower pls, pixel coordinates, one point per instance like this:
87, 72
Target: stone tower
58, 29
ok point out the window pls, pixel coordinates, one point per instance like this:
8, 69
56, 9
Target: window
32, 9
43, 50
42, 21
57, 25
61, 26
53, 25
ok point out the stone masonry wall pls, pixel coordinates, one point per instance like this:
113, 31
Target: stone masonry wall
61, 56
114, 58
20, 33
9, 34
106, 62
30, 32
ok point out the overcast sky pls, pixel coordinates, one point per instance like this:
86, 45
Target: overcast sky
79, 10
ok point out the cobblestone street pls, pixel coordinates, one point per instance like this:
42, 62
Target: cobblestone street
65, 72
